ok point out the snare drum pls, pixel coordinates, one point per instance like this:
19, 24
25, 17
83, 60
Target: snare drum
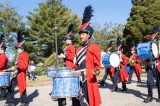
66, 84
110, 60
4, 79
147, 50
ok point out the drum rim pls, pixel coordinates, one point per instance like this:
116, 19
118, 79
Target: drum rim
60, 68
67, 74
5, 85
4, 73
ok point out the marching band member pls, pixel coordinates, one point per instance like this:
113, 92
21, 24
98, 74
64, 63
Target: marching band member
134, 65
152, 71
68, 56
120, 72
108, 70
3, 64
88, 57
22, 65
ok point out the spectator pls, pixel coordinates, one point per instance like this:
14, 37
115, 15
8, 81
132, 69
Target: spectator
31, 70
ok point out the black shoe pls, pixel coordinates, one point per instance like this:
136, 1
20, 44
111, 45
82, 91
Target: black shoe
9, 104
124, 89
139, 82
54, 99
128, 82
50, 94
23, 104
148, 99
2, 98
158, 100
114, 89
101, 83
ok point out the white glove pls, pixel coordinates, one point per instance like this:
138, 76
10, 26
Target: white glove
62, 55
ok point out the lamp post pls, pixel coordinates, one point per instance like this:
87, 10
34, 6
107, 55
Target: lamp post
55, 31
55, 27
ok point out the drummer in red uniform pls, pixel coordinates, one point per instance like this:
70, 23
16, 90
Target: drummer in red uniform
153, 70
134, 65
88, 57
68, 56
120, 72
21, 67
108, 70
3, 64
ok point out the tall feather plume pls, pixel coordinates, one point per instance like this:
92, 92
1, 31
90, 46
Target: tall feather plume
110, 43
70, 28
1, 37
88, 13
133, 43
20, 37
118, 42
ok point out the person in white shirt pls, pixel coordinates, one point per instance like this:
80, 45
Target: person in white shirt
31, 70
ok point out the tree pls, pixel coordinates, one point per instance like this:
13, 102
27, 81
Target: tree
41, 30
9, 19
10, 22
143, 18
109, 32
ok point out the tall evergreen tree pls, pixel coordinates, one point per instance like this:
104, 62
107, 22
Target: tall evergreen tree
10, 23
41, 30
143, 18
9, 19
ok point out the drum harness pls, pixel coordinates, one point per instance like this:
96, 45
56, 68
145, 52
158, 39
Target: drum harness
80, 59
65, 49
16, 71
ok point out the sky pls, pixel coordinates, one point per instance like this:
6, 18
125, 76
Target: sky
116, 11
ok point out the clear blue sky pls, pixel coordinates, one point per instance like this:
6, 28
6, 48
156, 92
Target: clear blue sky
116, 11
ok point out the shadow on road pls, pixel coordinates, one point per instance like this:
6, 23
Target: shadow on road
32, 96
136, 93
106, 85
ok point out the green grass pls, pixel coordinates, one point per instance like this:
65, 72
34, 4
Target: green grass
44, 80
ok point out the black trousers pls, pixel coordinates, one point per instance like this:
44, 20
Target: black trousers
62, 102
116, 79
151, 73
107, 70
2, 92
11, 89
133, 69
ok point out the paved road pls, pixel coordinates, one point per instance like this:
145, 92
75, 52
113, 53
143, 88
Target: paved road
38, 96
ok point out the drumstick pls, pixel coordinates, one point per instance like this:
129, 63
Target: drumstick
82, 70
7, 70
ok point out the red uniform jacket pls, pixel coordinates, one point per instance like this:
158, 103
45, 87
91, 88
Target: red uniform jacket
93, 57
3, 62
111, 72
70, 53
22, 65
123, 72
137, 65
158, 61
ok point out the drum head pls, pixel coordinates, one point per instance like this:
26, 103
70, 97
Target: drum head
154, 50
114, 60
